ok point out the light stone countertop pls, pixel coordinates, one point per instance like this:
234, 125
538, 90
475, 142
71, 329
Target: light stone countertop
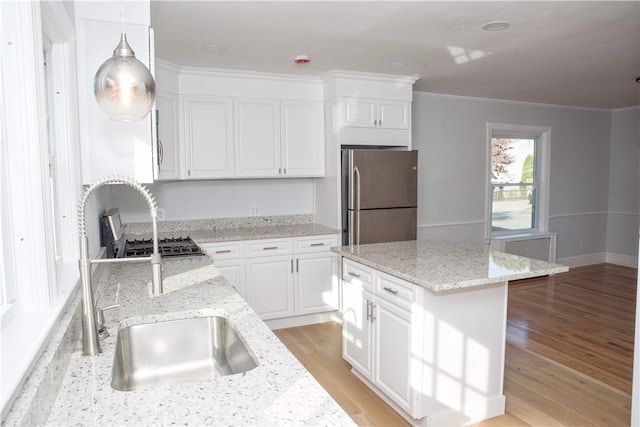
230, 229
279, 391
442, 266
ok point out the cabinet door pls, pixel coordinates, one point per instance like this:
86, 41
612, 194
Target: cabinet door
302, 138
392, 372
208, 134
393, 114
257, 126
234, 270
167, 123
359, 112
356, 328
270, 286
316, 283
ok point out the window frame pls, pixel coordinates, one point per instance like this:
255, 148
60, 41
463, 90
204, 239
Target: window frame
40, 285
542, 137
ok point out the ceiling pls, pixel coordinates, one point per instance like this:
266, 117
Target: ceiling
582, 53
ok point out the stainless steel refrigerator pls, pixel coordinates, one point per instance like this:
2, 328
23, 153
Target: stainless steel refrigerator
379, 196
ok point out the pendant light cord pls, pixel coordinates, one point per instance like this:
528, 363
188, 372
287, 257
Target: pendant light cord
122, 14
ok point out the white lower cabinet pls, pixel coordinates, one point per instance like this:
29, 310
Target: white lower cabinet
234, 271
315, 290
357, 328
228, 257
392, 352
270, 286
378, 333
281, 278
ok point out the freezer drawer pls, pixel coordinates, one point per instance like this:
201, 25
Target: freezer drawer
382, 225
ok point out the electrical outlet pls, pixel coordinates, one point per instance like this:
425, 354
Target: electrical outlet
581, 244
254, 210
160, 214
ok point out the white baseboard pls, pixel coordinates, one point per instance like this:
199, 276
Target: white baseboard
306, 319
624, 260
599, 258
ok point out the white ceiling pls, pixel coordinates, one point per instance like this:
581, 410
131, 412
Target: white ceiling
582, 53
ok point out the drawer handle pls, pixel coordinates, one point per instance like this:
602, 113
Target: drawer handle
393, 291
317, 244
226, 251
269, 248
351, 273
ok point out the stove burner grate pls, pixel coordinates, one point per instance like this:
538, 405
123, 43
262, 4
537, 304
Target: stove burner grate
168, 247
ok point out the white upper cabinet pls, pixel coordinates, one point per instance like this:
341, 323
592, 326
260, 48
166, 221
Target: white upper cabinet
167, 136
368, 109
257, 127
207, 129
302, 138
249, 126
371, 113
393, 114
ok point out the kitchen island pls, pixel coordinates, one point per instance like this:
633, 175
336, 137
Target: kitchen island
279, 391
424, 325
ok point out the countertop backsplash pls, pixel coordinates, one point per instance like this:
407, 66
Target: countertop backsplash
218, 224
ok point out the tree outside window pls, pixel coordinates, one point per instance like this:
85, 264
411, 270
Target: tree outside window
513, 182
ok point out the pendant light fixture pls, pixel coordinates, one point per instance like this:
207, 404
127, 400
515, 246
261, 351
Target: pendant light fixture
123, 86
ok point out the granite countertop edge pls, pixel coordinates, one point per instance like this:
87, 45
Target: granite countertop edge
398, 267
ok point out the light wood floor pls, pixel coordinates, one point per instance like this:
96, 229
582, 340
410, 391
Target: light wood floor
567, 359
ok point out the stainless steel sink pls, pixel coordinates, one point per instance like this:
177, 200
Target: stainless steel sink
176, 351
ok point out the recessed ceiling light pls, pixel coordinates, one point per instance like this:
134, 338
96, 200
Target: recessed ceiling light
398, 65
496, 26
638, 79
214, 48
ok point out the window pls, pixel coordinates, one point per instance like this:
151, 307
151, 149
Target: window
39, 181
518, 179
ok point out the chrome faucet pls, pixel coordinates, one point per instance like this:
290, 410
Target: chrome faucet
90, 341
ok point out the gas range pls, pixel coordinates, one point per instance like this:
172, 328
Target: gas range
167, 247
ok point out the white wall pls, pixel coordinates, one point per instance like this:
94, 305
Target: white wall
450, 134
624, 197
218, 199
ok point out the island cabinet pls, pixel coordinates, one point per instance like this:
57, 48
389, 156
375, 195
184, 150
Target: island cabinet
380, 330
293, 279
435, 357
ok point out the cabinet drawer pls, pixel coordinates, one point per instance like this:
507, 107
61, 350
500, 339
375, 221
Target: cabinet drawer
395, 290
224, 250
269, 247
315, 243
357, 274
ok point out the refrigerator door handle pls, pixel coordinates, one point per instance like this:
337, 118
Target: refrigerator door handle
356, 174
350, 227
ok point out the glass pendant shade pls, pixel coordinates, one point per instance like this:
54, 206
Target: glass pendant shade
123, 86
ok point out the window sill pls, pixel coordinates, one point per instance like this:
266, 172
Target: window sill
25, 335
519, 234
